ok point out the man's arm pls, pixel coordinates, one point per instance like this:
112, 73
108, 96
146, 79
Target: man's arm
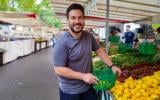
102, 54
71, 74
104, 57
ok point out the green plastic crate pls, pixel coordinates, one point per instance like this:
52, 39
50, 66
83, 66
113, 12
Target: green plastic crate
114, 39
147, 48
123, 47
106, 79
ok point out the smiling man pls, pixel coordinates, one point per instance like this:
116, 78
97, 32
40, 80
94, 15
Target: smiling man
72, 58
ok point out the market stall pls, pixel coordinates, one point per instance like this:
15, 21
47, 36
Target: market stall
15, 49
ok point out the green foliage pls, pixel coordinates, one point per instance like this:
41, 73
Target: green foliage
129, 60
3, 5
123, 47
47, 16
26, 5
98, 65
125, 60
113, 49
43, 10
155, 26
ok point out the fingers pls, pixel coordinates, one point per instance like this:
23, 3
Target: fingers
95, 78
90, 79
94, 82
116, 70
119, 72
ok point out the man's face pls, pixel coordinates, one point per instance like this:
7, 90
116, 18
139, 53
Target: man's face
127, 29
76, 21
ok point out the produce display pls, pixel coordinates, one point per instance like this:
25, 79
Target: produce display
125, 60
140, 76
129, 60
123, 47
113, 50
146, 88
94, 54
139, 71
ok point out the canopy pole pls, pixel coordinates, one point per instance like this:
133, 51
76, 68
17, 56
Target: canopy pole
107, 26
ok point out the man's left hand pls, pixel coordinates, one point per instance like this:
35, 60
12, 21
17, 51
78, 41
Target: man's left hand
116, 70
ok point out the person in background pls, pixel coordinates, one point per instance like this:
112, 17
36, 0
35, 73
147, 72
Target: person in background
53, 40
114, 38
129, 36
157, 38
119, 34
96, 36
136, 43
72, 58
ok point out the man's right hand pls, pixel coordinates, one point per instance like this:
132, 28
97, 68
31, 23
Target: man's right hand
90, 78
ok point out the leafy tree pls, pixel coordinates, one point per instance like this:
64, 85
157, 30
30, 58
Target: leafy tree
43, 10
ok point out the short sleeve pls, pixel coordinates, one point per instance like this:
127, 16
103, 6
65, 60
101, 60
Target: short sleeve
59, 54
125, 34
95, 45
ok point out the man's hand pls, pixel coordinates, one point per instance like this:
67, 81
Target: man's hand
90, 78
116, 70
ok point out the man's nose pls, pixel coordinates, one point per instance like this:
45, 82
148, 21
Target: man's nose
77, 20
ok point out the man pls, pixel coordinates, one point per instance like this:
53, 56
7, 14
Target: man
114, 38
129, 36
72, 58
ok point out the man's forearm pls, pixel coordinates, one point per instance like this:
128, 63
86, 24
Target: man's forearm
68, 73
104, 57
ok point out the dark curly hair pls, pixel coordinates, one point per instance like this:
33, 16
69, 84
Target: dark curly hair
74, 6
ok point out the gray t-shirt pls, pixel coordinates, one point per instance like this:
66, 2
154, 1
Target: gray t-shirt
75, 54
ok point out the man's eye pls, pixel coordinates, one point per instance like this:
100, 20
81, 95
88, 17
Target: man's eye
81, 17
72, 18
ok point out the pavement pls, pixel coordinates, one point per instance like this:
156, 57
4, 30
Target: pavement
29, 78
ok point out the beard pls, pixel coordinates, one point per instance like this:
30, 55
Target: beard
76, 28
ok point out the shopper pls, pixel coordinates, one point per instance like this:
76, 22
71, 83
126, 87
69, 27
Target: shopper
157, 38
129, 36
72, 58
114, 38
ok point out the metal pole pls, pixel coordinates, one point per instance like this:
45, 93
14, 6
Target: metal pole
107, 25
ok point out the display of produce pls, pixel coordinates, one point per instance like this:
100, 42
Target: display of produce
139, 71
123, 47
140, 76
113, 50
146, 88
94, 54
140, 68
129, 60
